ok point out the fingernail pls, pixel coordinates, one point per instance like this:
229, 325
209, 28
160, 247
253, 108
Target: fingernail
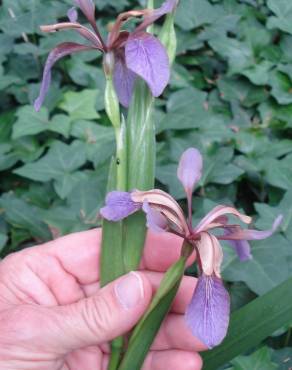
130, 290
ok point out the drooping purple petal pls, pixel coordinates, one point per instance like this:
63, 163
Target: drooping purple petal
59, 52
248, 234
207, 315
155, 220
119, 205
72, 15
167, 7
189, 170
242, 249
147, 57
124, 81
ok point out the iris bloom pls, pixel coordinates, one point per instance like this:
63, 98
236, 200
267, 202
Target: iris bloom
128, 54
208, 312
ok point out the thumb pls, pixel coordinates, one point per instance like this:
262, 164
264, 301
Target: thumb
112, 312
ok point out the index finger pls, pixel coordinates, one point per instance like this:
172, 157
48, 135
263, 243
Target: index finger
79, 253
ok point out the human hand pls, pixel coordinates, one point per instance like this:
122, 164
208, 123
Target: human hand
54, 316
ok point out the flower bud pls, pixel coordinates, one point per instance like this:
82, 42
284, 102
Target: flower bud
168, 37
112, 105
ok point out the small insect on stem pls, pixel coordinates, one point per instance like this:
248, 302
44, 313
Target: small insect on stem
118, 162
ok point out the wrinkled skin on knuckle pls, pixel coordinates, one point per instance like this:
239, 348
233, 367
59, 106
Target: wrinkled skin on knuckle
97, 314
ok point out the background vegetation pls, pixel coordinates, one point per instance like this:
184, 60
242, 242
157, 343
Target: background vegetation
230, 95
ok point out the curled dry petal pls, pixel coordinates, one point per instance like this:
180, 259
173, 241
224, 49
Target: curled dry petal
124, 80
155, 220
211, 255
119, 205
214, 215
207, 315
164, 203
152, 15
83, 31
59, 52
147, 57
189, 170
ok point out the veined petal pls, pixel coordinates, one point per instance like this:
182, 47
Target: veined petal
207, 315
119, 205
165, 204
124, 81
189, 170
238, 233
59, 52
152, 15
147, 57
211, 254
216, 213
155, 220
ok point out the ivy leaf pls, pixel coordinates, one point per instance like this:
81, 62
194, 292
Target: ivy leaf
182, 113
194, 14
30, 122
259, 360
80, 105
60, 160
283, 15
24, 216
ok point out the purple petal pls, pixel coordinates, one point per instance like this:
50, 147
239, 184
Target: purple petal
124, 80
189, 169
242, 248
59, 52
155, 220
119, 205
147, 57
72, 15
167, 7
249, 234
208, 313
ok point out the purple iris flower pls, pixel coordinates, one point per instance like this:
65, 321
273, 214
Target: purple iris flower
133, 54
208, 312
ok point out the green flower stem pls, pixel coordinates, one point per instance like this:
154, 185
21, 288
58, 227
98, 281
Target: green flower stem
147, 328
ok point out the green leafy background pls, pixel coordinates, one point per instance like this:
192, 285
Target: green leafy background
230, 95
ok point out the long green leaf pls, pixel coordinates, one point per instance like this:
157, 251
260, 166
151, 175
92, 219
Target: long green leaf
146, 330
141, 167
253, 323
111, 266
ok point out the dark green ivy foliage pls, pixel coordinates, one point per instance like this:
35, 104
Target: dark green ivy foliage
230, 95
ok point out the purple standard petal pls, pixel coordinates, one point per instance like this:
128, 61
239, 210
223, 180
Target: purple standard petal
167, 7
59, 52
207, 315
124, 81
147, 57
155, 220
119, 205
189, 170
248, 234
